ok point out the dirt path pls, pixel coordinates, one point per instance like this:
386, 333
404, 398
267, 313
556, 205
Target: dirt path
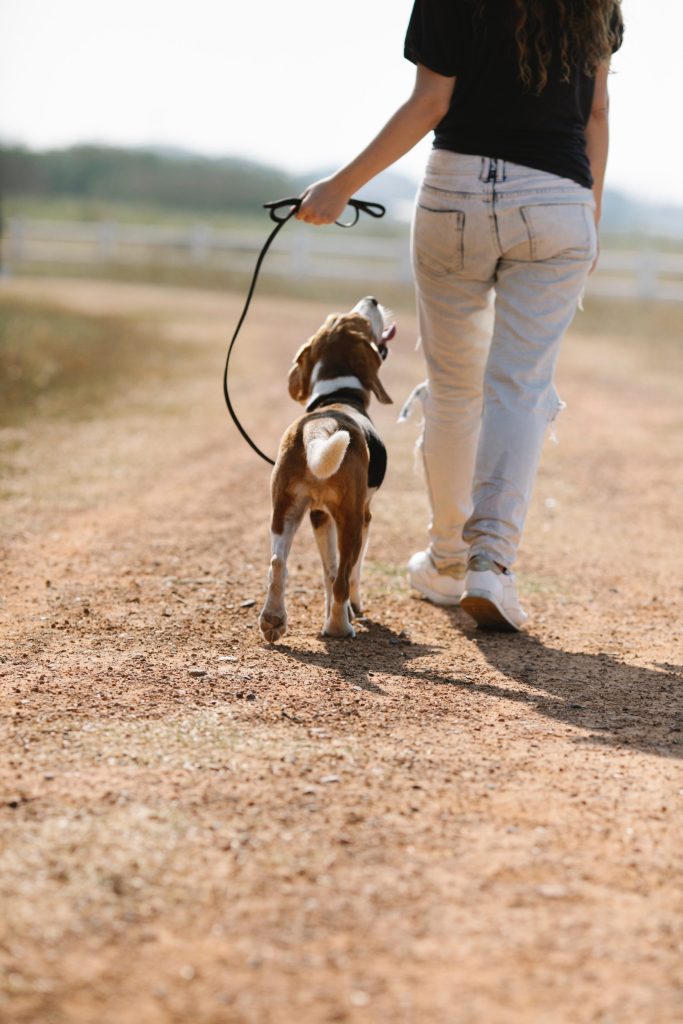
426, 825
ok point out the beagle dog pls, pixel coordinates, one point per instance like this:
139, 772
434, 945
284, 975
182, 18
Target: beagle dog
330, 463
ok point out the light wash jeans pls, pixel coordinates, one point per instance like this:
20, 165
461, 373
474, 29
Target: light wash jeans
501, 254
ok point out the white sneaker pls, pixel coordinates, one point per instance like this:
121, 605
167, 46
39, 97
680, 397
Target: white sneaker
440, 586
490, 595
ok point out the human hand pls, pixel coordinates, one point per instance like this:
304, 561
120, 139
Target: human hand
322, 202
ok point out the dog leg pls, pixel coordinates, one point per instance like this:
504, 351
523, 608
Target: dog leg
349, 534
273, 618
354, 583
325, 537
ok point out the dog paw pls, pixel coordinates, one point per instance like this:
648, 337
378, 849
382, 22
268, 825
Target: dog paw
340, 630
272, 626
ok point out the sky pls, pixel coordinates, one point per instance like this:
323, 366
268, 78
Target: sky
302, 85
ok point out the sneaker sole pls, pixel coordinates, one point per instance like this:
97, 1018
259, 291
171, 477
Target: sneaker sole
486, 613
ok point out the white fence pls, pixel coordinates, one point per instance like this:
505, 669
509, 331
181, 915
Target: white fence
298, 253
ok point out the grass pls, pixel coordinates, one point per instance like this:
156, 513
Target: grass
57, 363
85, 208
652, 330
67, 208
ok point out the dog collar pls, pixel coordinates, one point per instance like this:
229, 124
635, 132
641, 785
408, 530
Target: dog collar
332, 386
344, 396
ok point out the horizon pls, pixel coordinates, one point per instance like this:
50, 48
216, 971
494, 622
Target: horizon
169, 151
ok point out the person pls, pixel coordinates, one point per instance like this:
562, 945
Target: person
504, 236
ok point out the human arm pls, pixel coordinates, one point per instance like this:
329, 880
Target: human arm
597, 138
324, 200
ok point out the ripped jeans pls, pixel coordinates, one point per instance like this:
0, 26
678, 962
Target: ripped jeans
501, 254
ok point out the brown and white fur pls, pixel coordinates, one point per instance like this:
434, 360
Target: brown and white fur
322, 465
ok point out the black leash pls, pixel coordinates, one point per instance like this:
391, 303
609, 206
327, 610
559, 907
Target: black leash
359, 206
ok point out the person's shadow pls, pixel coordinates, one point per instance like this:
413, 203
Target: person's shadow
619, 705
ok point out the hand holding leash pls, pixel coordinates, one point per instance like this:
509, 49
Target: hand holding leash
359, 206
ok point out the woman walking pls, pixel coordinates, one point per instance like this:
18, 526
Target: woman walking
504, 236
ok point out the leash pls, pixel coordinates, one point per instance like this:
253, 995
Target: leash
358, 206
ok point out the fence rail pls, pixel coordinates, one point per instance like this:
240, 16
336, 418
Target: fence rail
300, 253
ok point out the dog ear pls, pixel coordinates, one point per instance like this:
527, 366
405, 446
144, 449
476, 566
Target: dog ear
299, 380
377, 388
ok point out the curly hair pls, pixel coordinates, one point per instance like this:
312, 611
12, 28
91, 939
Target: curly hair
589, 32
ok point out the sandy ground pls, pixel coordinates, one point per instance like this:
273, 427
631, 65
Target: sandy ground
425, 825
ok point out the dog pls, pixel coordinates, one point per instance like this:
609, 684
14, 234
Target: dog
331, 462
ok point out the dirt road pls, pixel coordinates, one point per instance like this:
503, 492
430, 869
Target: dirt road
425, 825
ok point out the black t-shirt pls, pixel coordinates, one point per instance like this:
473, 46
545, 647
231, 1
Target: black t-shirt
492, 113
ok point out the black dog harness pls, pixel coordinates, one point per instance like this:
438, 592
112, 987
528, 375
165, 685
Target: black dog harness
377, 466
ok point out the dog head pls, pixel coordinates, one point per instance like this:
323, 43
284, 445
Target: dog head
348, 345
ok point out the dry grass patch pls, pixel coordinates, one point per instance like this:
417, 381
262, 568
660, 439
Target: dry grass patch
58, 363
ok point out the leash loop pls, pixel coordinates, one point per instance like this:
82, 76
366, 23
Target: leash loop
359, 206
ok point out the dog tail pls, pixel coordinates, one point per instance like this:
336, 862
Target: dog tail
325, 447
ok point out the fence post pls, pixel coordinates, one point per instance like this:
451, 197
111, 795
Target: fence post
106, 242
199, 243
405, 270
15, 241
647, 274
299, 256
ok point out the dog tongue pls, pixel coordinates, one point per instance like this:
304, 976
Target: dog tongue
388, 334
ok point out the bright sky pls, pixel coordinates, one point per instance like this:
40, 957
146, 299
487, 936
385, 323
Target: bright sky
301, 84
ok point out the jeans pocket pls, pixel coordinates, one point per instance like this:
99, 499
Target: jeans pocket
438, 238
560, 228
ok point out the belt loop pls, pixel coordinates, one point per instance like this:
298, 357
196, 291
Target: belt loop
505, 170
482, 174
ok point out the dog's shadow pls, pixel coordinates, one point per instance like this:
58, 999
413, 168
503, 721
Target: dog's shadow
626, 706
377, 650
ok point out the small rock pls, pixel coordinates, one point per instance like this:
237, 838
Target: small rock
552, 892
167, 613
289, 716
251, 695
227, 657
248, 604
48, 776
197, 673
326, 779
